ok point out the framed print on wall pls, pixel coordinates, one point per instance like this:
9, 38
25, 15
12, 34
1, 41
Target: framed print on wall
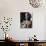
25, 20
36, 3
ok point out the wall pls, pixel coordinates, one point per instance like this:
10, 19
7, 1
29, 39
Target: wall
12, 8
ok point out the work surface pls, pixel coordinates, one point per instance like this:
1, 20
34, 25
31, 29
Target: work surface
29, 41
42, 41
25, 42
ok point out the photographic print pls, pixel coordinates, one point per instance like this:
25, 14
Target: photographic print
35, 3
25, 20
